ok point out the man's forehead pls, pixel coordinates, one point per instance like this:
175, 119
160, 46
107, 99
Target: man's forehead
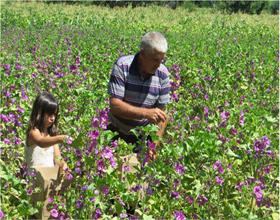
156, 53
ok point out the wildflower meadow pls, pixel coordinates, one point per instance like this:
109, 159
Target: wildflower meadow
219, 156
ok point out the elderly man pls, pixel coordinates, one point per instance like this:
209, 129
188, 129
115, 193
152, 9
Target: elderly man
139, 89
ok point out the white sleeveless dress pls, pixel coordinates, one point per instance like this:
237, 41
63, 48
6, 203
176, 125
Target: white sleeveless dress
37, 156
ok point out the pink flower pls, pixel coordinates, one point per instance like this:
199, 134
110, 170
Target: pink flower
219, 180
151, 145
54, 213
178, 215
69, 176
2, 215
69, 140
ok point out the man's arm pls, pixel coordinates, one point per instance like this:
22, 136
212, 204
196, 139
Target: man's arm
127, 111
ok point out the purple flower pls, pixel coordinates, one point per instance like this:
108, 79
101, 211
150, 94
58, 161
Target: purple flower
95, 122
241, 118
20, 110
175, 68
219, 180
265, 141
136, 188
4, 118
69, 176
180, 169
78, 61
78, 170
179, 215
7, 68
123, 215
149, 191
258, 194
261, 144
73, 68
207, 78
194, 216
107, 153
125, 168
79, 204
7, 93
267, 169
233, 131
206, 97
18, 66
93, 134
114, 143
239, 185
224, 115
175, 97
151, 145
17, 141
100, 165
105, 190
92, 199
113, 162
33, 75
2, 215
176, 183
202, 200
54, 213
175, 195
218, 166
50, 200
29, 191
84, 188
97, 213
6, 141
206, 112
59, 74
23, 95
189, 199
69, 140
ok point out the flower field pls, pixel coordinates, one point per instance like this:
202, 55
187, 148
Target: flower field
219, 156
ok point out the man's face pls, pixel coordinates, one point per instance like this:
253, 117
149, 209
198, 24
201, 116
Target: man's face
150, 61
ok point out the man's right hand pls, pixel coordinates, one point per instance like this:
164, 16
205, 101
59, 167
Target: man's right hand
155, 115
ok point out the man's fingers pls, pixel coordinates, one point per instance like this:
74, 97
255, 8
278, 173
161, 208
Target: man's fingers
162, 115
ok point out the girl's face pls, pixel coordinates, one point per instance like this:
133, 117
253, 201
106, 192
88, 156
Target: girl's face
49, 119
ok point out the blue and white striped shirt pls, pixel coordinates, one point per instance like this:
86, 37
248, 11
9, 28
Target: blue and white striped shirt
127, 84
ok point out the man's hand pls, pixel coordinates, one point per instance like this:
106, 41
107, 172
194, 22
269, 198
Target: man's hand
155, 115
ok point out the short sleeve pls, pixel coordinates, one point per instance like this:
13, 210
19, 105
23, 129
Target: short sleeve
116, 85
164, 96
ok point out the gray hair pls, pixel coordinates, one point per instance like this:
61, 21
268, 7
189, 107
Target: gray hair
154, 41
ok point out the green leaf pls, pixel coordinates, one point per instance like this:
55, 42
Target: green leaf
270, 119
147, 217
232, 154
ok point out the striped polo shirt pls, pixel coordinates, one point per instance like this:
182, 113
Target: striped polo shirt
127, 84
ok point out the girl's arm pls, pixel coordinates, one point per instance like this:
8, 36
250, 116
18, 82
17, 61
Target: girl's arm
58, 160
35, 137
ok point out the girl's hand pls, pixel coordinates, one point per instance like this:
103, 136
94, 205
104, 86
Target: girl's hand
63, 167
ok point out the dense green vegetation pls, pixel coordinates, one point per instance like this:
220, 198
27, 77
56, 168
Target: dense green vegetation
218, 159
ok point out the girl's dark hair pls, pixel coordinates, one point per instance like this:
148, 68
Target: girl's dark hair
44, 103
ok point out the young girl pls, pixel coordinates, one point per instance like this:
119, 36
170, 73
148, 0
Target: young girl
42, 151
